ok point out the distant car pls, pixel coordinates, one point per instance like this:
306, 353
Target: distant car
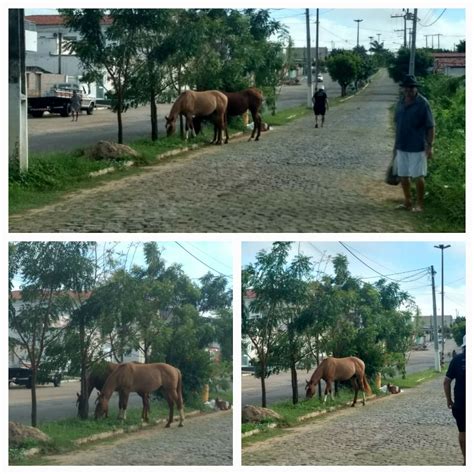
22, 376
320, 78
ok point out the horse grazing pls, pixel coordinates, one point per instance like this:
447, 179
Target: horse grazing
333, 369
211, 104
96, 378
144, 378
238, 103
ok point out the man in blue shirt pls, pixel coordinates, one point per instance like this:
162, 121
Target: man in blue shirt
414, 142
457, 371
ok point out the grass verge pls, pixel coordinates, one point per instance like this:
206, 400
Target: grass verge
65, 433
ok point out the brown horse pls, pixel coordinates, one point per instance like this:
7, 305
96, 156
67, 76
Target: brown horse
144, 378
200, 104
333, 369
238, 103
96, 378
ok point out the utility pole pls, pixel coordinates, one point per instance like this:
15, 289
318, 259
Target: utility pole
438, 35
435, 321
308, 60
371, 38
442, 247
411, 68
426, 39
17, 99
358, 22
316, 66
378, 37
404, 16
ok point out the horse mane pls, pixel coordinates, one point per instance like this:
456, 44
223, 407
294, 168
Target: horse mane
318, 373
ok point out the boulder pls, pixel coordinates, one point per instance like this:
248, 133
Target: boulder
19, 433
105, 150
253, 414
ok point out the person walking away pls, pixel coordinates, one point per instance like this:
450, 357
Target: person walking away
457, 371
415, 133
320, 105
75, 105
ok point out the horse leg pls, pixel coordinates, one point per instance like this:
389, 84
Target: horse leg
225, 128
327, 390
145, 402
355, 387
169, 399
124, 403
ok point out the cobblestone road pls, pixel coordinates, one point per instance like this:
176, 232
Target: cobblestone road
413, 428
295, 179
203, 440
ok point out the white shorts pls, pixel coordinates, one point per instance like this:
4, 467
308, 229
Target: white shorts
410, 164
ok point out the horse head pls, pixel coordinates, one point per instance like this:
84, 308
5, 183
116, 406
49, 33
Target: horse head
310, 389
170, 126
101, 407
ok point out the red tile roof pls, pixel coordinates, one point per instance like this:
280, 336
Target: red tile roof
52, 20
443, 60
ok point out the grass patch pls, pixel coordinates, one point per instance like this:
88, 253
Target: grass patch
285, 116
412, 380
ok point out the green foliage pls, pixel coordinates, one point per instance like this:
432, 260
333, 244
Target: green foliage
458, 330
398, 65
343, 67
446, 182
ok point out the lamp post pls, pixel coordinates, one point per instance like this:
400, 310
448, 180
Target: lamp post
442, 247
358, 22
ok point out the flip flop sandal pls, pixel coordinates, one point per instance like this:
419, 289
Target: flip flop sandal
402, 207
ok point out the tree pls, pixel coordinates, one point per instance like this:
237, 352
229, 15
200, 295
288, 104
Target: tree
113, 49
461, 46
398, 66
56, 277
275, 288
458, 330
343, 67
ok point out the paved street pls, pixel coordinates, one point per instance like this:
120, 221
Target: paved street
413, 428
54, 403
203, 440
295, 179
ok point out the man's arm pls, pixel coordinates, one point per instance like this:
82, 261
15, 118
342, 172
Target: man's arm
447, 391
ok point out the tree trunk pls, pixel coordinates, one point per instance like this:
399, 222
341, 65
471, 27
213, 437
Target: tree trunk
119, 122
343, 90
154, 116
263, 368
294, 382
34, 412
83, 405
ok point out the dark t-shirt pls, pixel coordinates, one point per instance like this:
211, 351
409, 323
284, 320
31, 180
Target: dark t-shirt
457, 371
319, 100
412, 123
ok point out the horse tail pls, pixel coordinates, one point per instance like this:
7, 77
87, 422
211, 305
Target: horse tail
179, 390
366, 386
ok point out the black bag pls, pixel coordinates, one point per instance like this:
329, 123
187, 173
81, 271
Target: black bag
390, 177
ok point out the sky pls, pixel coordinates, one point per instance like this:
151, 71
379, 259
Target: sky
389, 258
196, 258
338, 29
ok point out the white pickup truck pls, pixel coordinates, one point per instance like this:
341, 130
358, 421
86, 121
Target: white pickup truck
58, 100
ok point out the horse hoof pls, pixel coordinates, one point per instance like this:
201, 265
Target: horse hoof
180, 425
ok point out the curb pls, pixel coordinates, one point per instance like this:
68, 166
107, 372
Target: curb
310, 415
128, 429
110, 434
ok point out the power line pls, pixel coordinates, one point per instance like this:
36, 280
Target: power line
204, 263
207, 255
431, 24
368, 266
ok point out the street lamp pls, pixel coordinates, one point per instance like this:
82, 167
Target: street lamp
442, 247
358, 22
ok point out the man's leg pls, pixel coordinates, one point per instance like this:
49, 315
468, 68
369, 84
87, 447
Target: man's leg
316, 118
462, 443
405, 181
322, 120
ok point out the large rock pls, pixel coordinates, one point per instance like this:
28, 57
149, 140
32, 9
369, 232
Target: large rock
19, 433
252, 414
105, 150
